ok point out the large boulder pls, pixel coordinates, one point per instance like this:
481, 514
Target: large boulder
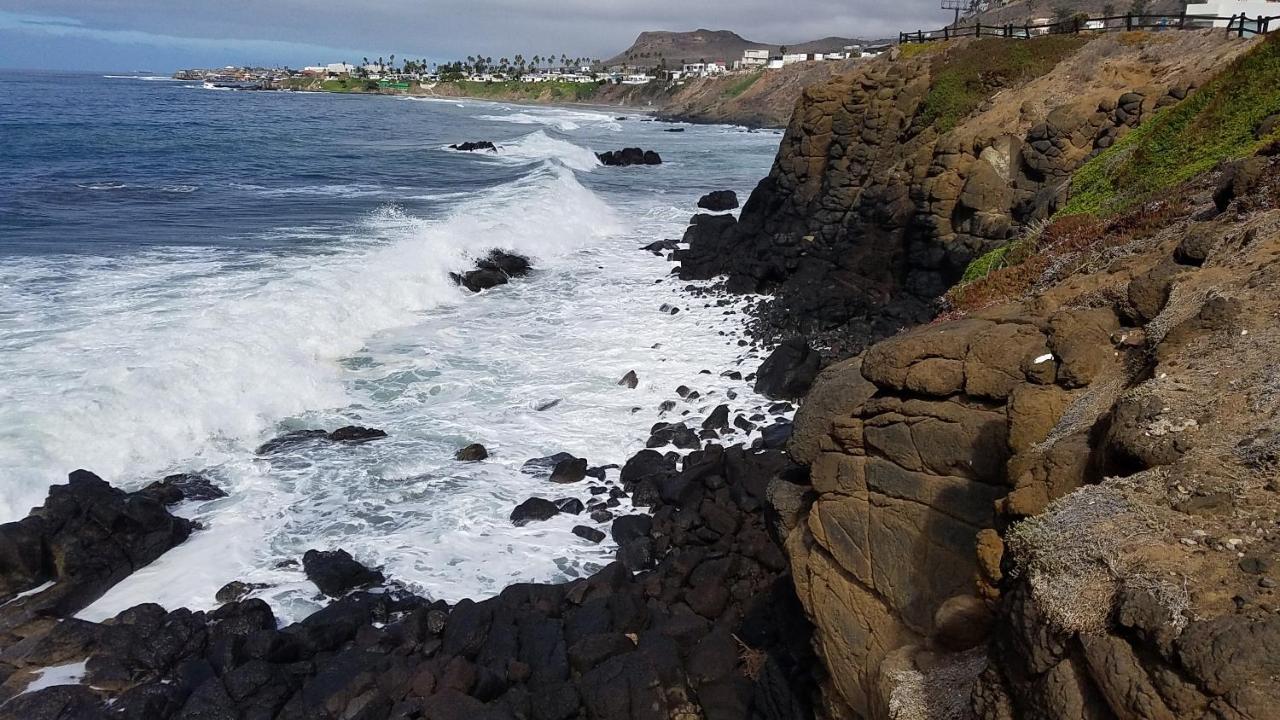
86, 537
629, 156
788, 371
718, 200
336, 573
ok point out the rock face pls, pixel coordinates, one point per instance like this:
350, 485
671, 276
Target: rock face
710, 629
86, 537
629, 156
870, 213
1031, 508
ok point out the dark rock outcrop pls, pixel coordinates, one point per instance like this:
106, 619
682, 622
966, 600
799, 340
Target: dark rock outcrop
86, 537
350, 435
474, 452
629, 156
718, 200
788, 371
192, 487
472, 146
534, 510
336, 573
711, 629
496, 268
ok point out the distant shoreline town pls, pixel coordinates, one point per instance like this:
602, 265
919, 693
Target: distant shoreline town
387, 75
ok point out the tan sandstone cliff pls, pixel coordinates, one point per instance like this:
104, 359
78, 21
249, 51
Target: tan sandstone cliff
1061, 504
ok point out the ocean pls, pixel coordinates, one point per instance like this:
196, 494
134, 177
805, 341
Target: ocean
186, 273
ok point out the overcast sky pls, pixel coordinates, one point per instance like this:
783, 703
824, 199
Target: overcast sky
163, 35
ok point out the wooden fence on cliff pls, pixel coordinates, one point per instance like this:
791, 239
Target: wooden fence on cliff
1239, 25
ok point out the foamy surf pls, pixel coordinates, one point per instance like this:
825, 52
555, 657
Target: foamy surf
539, 146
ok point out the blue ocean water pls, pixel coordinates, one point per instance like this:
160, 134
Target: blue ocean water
185, 273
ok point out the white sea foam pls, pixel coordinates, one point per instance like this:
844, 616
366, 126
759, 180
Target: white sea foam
559, 118
538, 146
142, 362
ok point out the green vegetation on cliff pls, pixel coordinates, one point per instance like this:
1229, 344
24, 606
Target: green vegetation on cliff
967, 74
743, 84
1230, 117
516, 90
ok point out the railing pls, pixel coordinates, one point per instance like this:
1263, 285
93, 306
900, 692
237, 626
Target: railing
1238, 25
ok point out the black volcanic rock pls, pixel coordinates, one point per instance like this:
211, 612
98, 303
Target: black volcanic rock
569, 471
349, 435
718, 200
472, 146
474, 452
660, 246
545, 465
533, 509
86, 537
629, 156
496, 268
589, 534
174, 489
788, 371
336, 573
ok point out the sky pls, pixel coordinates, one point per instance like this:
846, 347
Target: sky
165, 35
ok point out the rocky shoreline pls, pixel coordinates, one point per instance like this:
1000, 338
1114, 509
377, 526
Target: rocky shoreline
696, 617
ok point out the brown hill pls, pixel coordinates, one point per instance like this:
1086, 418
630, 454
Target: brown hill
652, 47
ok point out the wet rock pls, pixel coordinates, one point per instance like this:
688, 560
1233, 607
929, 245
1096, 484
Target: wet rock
631, 527
662, 246
629, 156
677, 434
546, 404
355, 434
174, 489
545, 465
571, 506
496, 268
569, 471
472, 146
589, 534
474, 452
789, 370
336, 573
777, 435
719, 200
235, 591
718, 419
533, 509
630, 380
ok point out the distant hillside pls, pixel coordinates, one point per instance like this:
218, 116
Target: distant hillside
650, 48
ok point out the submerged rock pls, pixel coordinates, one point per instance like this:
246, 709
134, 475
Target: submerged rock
629, 156
472, 146
336, 573
630, 380
474, 452
661, 246
589, 534
174, 489
350, 435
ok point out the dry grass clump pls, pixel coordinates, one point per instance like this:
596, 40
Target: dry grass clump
943, 693
1082, 550
753, 659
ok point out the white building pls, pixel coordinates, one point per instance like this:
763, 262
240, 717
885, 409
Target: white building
693, 69
1229, 8
790, 58
637, 79
754, 58
339, 68
775, 63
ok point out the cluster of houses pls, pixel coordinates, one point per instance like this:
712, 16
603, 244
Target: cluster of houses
390, 76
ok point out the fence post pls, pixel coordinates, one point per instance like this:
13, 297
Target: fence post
1243, 18
1026, 31
1258, 27
977, 29
1128, 21
919, 36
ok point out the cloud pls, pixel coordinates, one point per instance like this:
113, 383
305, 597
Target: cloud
447, 29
